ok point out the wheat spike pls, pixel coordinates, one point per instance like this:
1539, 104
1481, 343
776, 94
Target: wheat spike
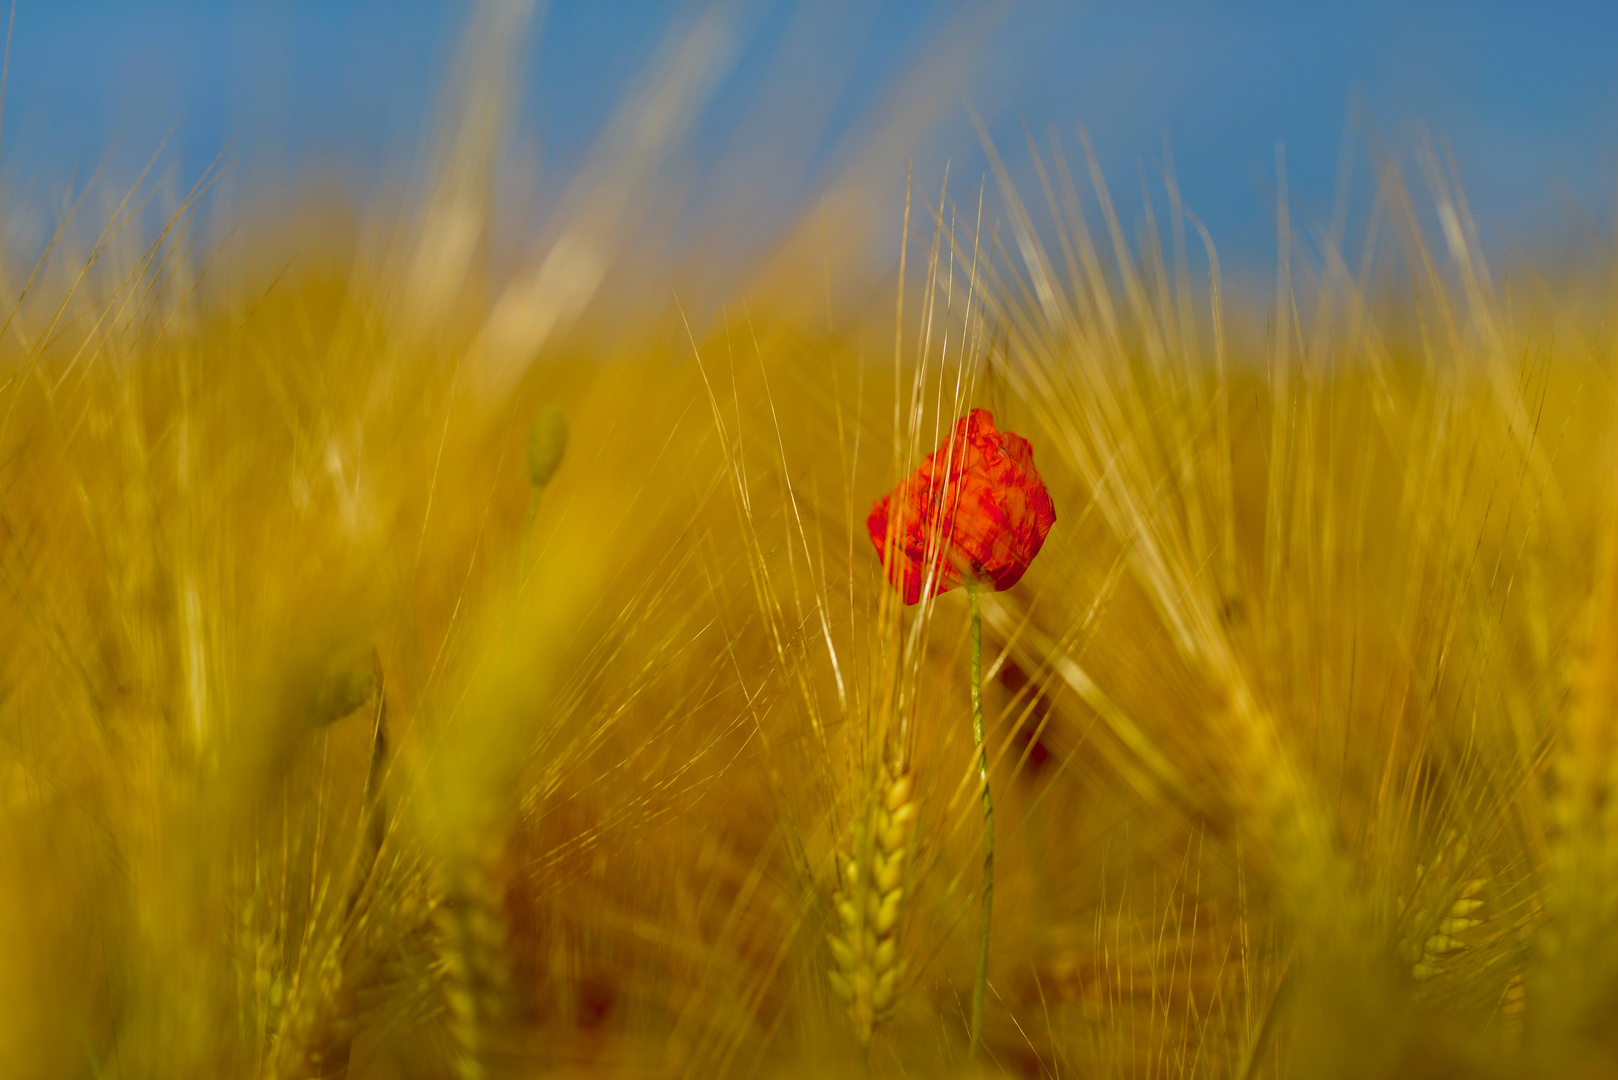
1463, 913
869, 904
477, 977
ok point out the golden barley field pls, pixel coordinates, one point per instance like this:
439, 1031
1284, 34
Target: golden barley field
413, 667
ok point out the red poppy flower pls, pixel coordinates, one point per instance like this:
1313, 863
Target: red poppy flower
977, 504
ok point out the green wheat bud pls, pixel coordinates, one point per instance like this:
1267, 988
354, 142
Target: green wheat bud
547, 442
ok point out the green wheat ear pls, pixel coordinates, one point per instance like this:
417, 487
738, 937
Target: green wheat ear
547, 442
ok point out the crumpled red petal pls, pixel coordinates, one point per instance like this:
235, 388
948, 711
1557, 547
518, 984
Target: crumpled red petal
977, 504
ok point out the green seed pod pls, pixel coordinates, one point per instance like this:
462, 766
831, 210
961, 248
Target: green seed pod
341, 693
547, 442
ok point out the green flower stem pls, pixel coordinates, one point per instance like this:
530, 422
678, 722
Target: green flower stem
522, 563
527, 531
981, 985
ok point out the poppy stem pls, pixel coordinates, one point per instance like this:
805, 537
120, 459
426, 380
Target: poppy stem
982, 982
522, 560
527, 532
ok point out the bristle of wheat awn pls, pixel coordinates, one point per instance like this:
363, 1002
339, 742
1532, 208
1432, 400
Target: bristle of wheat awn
869, 904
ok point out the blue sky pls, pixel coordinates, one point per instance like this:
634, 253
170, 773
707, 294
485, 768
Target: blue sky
1525, 95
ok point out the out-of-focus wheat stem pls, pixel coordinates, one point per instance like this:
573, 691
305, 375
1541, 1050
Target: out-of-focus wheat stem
981, 983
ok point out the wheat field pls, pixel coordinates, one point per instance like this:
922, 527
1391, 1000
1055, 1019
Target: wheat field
412, 669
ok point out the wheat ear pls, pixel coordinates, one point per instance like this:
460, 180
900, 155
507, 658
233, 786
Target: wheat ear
869, 904
1459, 918
1432, 941
475, 957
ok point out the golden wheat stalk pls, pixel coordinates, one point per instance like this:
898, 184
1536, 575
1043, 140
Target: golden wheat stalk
869, 904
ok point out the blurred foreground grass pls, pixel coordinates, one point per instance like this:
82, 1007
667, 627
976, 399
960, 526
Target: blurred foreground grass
329, 745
